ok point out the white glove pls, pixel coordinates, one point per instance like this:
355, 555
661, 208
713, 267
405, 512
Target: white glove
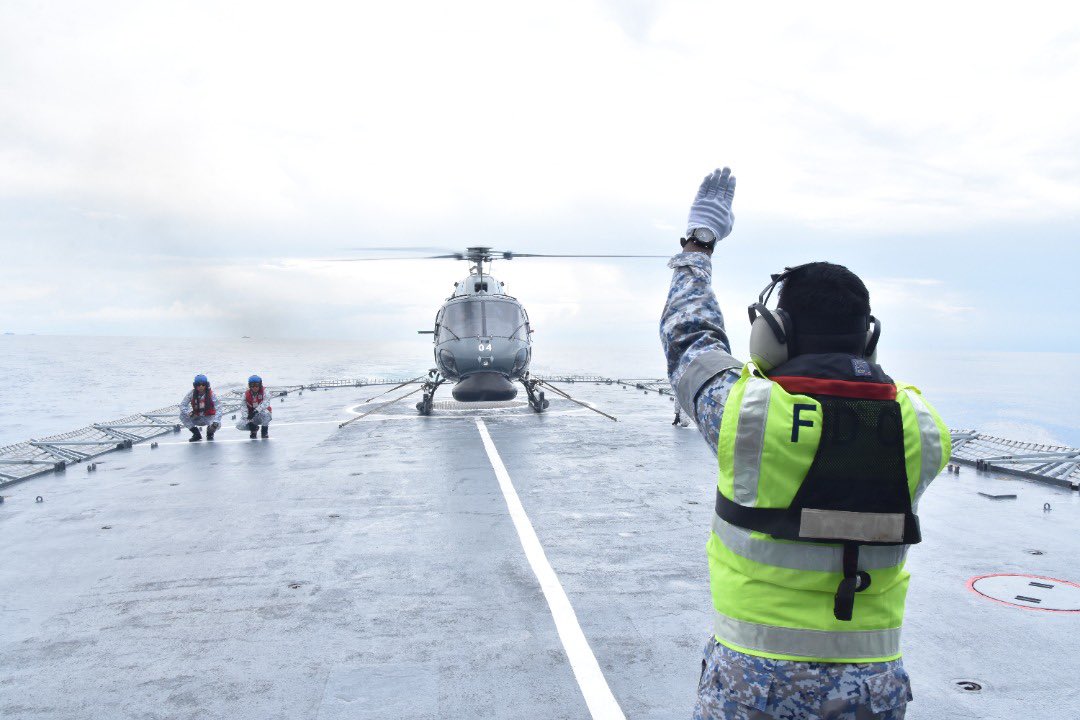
712, 206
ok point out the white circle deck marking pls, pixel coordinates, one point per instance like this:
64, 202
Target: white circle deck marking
590, 679
480, 405
467, 410
1030, 592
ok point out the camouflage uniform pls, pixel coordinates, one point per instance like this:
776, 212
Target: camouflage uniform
692, 324
735, 685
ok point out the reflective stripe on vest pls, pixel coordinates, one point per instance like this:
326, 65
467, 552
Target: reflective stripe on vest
750, 439
802, 556
808, 643
931, 463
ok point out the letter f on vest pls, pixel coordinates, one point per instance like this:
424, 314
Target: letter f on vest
797, 422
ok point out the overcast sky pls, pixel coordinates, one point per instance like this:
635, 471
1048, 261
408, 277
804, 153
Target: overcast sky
189, 169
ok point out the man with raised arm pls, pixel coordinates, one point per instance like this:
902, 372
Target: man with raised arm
822, 460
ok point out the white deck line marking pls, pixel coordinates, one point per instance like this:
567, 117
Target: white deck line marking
590, 679
215, 441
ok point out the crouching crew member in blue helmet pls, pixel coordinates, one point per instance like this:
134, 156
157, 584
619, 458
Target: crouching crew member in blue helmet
258, 408
199, 408
822, 461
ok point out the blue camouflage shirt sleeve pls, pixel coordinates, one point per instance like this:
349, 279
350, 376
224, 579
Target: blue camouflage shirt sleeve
700, 366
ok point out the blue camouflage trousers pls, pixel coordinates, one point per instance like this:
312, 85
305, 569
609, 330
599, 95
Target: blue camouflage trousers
736, 686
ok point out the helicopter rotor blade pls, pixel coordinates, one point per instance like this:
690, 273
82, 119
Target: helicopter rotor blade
416, 249
511, 255
479, 254
455, 256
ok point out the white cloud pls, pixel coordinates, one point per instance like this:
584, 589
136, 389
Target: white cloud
916, 297
15, 293
257, 130
862, 117
176, 311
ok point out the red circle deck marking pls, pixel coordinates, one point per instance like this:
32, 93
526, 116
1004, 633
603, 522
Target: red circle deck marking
972, 588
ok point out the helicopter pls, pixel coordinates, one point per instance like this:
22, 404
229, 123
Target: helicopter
482, 337
483, 341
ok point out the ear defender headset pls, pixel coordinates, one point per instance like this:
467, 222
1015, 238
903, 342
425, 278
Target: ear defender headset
773, 337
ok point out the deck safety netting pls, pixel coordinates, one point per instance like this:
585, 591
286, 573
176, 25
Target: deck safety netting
1058, 463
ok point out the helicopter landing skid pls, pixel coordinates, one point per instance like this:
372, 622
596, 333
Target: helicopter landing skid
536, 398
434, 380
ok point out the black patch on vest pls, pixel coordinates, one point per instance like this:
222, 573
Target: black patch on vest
859, 465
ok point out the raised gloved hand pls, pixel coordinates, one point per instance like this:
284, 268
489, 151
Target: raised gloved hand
712, 206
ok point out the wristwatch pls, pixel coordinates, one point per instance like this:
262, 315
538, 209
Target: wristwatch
701, 236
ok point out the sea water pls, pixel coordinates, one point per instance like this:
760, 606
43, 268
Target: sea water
52, 384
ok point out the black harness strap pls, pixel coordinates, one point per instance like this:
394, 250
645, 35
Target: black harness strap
855, 580
778, 522
784, 523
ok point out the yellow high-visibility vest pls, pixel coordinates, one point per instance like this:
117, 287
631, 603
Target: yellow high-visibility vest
775, 597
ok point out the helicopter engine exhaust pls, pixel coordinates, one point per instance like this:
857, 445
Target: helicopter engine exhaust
484, 387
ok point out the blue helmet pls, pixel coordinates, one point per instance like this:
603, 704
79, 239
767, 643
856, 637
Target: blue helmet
200, 379
254, 379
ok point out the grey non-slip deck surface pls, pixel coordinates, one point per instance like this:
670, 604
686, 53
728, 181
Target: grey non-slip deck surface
374, 572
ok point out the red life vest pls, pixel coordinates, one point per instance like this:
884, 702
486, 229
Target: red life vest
254, 399
202, 406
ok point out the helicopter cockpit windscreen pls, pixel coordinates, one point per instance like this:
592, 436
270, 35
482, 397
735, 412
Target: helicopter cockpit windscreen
461, 320
504, 319
482, 318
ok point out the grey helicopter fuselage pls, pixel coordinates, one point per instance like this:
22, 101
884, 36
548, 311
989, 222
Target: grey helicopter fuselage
482, 340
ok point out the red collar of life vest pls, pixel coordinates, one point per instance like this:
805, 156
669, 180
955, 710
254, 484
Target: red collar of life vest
835, 375
797, 385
